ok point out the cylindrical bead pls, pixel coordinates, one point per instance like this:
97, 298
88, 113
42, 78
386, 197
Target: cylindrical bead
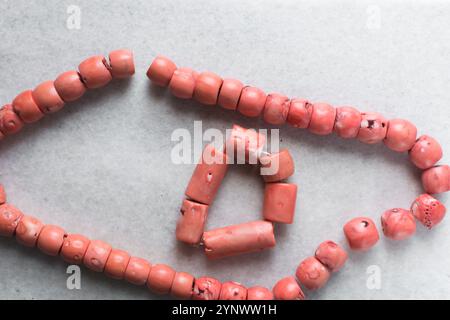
26, 108
322, 119
47, 98
428, 210
401, 135
161, 71
233, 291
373, 128
28, 230
279, 202
398, 224
252, 101
276, 109
95, 72
332, 255
9, 219
206, 288
74, 248
436, 179
230, 93
348, 122
117, 264
96, 255
207, 87
160, 278
137, 271
191, 223
361, 233
51, 239
277, 166
121, 63
69, 86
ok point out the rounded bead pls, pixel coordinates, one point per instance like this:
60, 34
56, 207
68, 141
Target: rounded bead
373, 128
312, 273
117, 264
401, 135
95, 72
425, 152
398, 224
28, 230
160, 278
69, 86
279, 202
207, 87
233, 291
161, 71
259, 293
121, 63
137, 271
322, 119
9, 219
361, 233
332, 255
300, 112
47, 98
26, 108
252, 101
182, 84
2, 195
436, 179
182, 286
96, 255
348, 122
428, 210
288, 289
277, 166
74, 248
10, 123
230, 93
276, 109
51, 239
206, 288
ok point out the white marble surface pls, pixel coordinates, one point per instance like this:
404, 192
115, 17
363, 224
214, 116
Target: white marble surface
102, 165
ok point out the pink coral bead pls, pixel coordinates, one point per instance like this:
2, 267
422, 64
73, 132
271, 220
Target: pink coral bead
121, 63
206, 288
233, 291
191, 224
9, 219
182, 286
279, 202
182, 83
436, 179
312, 273
160, 278
161, 71
28, 230
348, 122
244, 145
207, 87
373, 128
276, 109
322, 119
117, 263
96, 255
74, 248
252, 102
10, 123
277, 166
137, 271
230, 93
2, 195
95, 72
300, 112
69, 86
26, 108
47, 98
259, 293
398, 224
425, 152
332, 255
401, 135
288, 289
361, 233
428, 210
51, 239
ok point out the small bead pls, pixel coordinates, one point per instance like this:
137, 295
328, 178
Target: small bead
161, 71
9, 219
322, 119
121, 63
74, 248
207, 87
2, 195
230, 94
137, 271
28, 230
26, 108
233, 291
373, 128
10, 123
312, 273
191, 224
69, 86
401, 135
436, 179
398, 224
348, 122
244, 145
206, 288
207, 176
279, 202
288, 289
96, 255
95, 72
47, 98
182, 286
277, 166
238, 239
361, 233
252, 101
51, 239
332, 255
117, 264
428, 210
300, 112
425, 152
182, 84
160, 278
276, 109
259, 293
